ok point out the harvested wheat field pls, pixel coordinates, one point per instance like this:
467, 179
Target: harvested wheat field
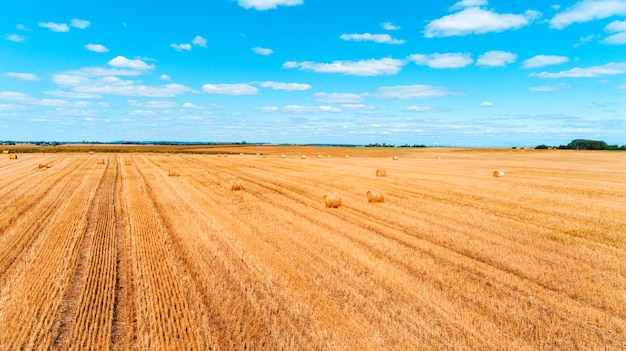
121, 256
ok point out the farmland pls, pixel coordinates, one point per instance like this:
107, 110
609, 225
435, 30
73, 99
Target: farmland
123, 254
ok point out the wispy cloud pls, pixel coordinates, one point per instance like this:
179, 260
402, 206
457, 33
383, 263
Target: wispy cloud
486, 104
448, 60
372, 67
181, 47
609, 69
421, 109
548, 88
123, 62
15, 37
474, 20
411, 92
80, 24
199, 41
377, 38
164, 77
267, 4
496, 58
467, 3
619, 30
267, 109
96, 48
230, 89
338, 97
544, 60
55, 27
284, 86
22, 76
262, 51
310, 109
389, 26
153, 104
588, 10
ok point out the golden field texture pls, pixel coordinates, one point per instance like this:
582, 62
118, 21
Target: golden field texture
120, 255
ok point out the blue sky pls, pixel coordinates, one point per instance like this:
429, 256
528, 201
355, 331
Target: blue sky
459, 73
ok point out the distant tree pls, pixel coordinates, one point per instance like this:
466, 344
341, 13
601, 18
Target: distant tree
541, 147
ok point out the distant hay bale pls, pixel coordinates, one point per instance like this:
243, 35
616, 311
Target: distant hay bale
346, 156
303, 157
395, 158
43, 165
258, 154
319, 156
283, 156
5, 151
332, 201
375, 196
173, 173
167, 154
328, 155
91, 152
381, 173
12, 157
100, 161
241, 154
127, 163
439, 157
498, 174
235, 184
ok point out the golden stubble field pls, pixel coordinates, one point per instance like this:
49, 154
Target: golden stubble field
161, 252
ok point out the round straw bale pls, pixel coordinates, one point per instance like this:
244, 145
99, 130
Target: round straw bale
235, 184
303, 157
346, 156
395, 158
43, 165
381, 173
173, 173
498, 174
283, 156
12, 157
375, 196
100, 161
439, 157
5, 151
319, 156
332, 201
241, 154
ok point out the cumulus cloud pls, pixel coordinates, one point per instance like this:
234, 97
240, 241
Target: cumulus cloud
199, 41
619, 30
267, 4
181, 47
310, 109
496, 58
123, 62
230, 89
262, 51
55, 27
544, 60
267, 109
486, 104
80, 24
15, 37
411, 92
284, 86
437, 60
467, 3
372, 67
96, 48
474, 20
389, 26
609, 69
164, 77
588, 10
22, 76
377, 38
338, 97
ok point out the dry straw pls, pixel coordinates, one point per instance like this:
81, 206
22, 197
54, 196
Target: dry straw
100, 161
127, 163
43, 165
498, 174
381, 173
375, 196
173, 173
235, 184
332, 201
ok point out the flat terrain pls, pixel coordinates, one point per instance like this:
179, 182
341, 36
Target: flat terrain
154, 251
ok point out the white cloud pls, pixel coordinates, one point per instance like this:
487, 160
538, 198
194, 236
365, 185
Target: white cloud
55, 27
199, 107
372, 67
130, 88
267, 4
421, 109
15, 96
20, 27
437, 60
262, 51
585, 40
123, 62
389, 26
544, 60
622, 86
310, 109
378, 38
164, 77
72, 95
338, 97
411, 92
230, 89
22, 76
588, 10
80, 24
474, 20
357, 107
181, 47
609, 69
267, 109
548, 88
496, 58
15, 37
486, 104
96, 48
467, 3
285, 86
153, 104
619, 28
199, 41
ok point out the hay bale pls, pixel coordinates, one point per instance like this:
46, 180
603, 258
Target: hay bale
100, 161
91, 152
303, 157
127, 163
439, 157
173, 173
241, 154
381, 173
395, 158
319, 156
5, 151
332, 201
12, 157
498, 173
235, 184
375, 196
43, 165
346, 156
283, 156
